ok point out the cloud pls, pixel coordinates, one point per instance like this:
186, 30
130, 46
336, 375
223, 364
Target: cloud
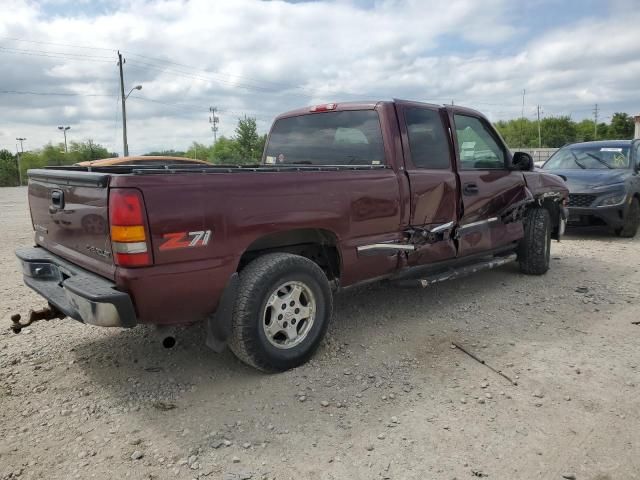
262, 58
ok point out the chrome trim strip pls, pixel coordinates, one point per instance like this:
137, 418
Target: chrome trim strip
385, 246
441, 228
475, 224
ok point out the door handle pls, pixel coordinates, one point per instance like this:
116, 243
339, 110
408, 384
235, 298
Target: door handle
470, 189
57, 201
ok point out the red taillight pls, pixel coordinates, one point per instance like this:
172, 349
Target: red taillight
324, 108
127, 221
133, 259
125, 207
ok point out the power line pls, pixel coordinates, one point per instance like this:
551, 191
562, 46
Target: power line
248, 83
180, 73
229, 75
65, 54
36, 53
56, 94
41, 42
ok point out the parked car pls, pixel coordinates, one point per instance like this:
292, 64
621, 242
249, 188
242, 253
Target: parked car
539, 163
603, 181
346, 194
141, 160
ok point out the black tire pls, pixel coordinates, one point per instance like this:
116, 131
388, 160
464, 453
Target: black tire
631, 221
258, 283
534, 251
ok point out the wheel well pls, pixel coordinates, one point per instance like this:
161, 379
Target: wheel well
318, 245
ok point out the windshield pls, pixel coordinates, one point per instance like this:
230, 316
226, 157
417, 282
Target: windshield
331, 138
588, 158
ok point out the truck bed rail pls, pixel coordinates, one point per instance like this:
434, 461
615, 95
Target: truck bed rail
155, 170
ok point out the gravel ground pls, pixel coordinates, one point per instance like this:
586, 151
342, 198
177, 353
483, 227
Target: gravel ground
386, 396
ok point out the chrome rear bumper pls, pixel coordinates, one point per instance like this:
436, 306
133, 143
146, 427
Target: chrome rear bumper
76, 292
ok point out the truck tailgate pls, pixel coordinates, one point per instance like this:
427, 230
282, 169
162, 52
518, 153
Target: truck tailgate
70, 218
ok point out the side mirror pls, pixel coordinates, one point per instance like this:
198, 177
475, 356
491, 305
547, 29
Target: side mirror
522, 161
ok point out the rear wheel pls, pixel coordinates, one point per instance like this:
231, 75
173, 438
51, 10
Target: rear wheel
534, 251
631, 221
282, 312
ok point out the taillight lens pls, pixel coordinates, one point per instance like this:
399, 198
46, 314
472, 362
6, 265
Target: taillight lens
127, 219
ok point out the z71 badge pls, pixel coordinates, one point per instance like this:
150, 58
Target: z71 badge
176, 240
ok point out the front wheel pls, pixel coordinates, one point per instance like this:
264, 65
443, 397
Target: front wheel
631, 221
534, 251
282, 312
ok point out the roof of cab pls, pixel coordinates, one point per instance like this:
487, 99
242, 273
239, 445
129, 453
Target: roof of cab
340, 106
370, 105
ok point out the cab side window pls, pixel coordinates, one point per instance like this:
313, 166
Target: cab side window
428, 141
477, 147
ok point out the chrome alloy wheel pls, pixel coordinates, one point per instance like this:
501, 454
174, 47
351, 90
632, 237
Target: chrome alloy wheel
289, 314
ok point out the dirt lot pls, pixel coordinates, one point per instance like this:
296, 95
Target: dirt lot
385, 397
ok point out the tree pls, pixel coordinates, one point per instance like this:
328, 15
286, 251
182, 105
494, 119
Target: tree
87, 150
55, 155
520, 132
558, 131
166, 153
8, 169
225, 151
250, 144
621, 127
199, 151
585, 131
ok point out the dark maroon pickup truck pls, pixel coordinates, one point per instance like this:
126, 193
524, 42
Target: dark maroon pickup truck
346, 193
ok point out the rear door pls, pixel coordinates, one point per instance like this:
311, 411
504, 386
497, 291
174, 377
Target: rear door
488, 186
428, 162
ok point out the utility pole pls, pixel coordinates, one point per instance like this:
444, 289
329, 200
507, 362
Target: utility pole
64, 130
125, 146
214, 120
522, 123
18, 156
539, 130
595, 122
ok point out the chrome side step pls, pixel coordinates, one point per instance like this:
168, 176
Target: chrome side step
454, 273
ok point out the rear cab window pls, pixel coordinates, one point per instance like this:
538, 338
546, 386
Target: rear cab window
350, 137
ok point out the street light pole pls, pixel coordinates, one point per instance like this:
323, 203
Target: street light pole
125, 144
64, 130
20, 139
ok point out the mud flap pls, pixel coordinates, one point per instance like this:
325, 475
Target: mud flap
563, 217
219, 323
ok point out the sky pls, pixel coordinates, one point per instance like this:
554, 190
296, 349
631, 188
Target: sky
58, 62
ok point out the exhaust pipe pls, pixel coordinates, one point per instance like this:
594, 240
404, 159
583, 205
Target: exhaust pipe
166, 335
169, 342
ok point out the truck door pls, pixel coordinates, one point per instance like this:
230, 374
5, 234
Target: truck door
488, 186
428, 153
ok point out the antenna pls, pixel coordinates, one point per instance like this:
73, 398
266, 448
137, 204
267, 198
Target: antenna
214, 120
